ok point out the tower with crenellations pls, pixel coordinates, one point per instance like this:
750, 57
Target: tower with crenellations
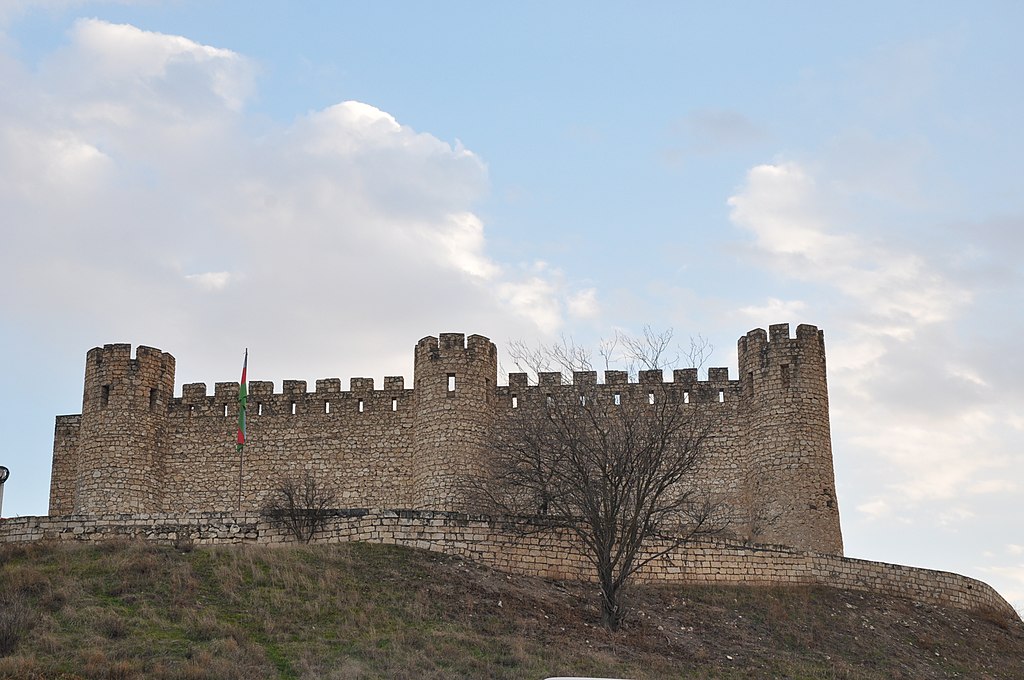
136, 448
122, 433
787, 434
455, 378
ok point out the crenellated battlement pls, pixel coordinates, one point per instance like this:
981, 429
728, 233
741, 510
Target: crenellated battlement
294, 399
683, 386
778, 338
679, 376
138, 448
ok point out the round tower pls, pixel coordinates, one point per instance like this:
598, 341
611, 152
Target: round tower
789, 442
455, 381
124, 419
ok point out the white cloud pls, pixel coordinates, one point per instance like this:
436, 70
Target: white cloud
772, 310
130, 173
534, 299
583, 304
918, 415
876, 508
210, 280
786, 211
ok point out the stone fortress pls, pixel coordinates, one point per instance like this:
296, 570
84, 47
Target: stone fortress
136, 448
140, 463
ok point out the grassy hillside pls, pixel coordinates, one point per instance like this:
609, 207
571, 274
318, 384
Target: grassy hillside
132, 610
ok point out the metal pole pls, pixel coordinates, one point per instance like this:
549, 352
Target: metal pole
241, 452
4, 474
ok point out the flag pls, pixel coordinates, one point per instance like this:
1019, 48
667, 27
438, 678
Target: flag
243, 398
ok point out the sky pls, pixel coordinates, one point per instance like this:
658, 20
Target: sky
325, 183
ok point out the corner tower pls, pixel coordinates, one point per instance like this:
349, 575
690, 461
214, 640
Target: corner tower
124, 419
455, 381
788, 438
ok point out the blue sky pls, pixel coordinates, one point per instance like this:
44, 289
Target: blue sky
327, 183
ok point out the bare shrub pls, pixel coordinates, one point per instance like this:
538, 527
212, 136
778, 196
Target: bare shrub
301, 504
17, 618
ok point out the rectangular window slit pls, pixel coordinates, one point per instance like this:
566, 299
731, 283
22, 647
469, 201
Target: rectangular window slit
618, 398
191, 409
549, 400
394, 403
721, 396
583, 400
686, 396
105, 395
515, 401
259, 408
293, 408
650, 398
451, 382
152, 399
225, 410
361, 406
327, 407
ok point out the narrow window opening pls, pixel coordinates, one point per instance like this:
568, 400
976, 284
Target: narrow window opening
650, 398
225, 410
99, 360
785, 375
549, 400
259, 408
750, 382
721, 396
451, 382
686, 396
152, 399
191, 409
515, 401
618, 398
327, 407
583, 400
105, 396
361, 406
293, 408
394, 403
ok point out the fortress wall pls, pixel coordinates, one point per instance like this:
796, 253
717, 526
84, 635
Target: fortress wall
136, 448
547, 554
356, 443
64, 472
723, 470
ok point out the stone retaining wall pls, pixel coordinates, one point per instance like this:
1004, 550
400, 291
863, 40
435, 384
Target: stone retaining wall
541, 552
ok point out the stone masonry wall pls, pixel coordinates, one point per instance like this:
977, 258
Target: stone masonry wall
357, 443
136, 448
546, 554
64, 475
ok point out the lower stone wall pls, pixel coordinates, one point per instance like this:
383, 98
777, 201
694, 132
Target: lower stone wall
543, 552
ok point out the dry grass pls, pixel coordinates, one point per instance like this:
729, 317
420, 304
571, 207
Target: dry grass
364, 611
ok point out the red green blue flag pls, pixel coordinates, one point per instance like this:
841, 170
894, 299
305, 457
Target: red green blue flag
243, 398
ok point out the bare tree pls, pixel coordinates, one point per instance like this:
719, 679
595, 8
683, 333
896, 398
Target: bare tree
302, 504
615, 467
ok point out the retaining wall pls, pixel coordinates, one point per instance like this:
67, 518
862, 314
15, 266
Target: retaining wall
544, 552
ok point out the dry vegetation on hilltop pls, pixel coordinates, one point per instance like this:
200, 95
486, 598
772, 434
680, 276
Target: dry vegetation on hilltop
133, 610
